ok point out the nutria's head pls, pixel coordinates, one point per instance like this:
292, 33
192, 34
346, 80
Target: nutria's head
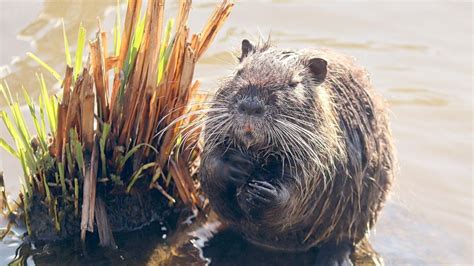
275, 101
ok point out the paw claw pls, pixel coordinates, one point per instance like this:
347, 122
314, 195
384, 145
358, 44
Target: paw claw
263, 188
255, 196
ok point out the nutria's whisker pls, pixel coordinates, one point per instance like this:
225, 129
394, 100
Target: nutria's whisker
191, 128
183, 117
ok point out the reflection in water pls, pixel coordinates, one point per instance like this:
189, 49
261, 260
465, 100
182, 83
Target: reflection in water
417, 60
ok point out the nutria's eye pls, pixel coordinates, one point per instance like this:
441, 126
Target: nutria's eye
239, 72
293, 84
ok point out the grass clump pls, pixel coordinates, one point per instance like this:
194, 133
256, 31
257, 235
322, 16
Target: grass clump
114, 130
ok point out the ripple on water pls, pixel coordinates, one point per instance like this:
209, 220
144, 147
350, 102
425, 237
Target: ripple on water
347, 44
416, 96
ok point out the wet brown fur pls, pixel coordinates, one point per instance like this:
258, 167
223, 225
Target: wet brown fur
333, 198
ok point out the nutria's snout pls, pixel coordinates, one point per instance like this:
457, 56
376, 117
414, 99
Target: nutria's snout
250, 113
247, 132
251, 107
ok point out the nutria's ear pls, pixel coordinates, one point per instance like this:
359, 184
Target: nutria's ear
247, 48
318, 68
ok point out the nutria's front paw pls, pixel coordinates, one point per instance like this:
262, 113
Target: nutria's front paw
231, 167
257, 196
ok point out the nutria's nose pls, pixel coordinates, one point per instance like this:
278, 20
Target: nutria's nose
251, 107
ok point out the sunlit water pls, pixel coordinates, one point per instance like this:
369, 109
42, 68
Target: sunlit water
420, 59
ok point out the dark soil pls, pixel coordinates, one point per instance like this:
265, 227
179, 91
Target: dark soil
126, 212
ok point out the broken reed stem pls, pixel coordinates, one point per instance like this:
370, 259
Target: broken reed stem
89, 193
62, 115
97, 63
87, 110
155, 25
103, 226
133, 11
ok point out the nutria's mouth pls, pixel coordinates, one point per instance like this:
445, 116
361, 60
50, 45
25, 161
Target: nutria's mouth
248, 135
244, 132
248, 139
248, 128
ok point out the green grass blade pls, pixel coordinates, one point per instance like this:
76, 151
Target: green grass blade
56, 216
62, 179
6, 93
133, 50
77, 150
23, 137
55, 103
116, 179
81, 41
46, 188
26, 173
29, 164
18, 135
131, 55
165, 58
156, 176
76, 196
24, 153
26, 202
133, 151
20, 123
48, 105
66, 46
39, 129
102, 142
46, 66
56, 178
42, 119
8, 148
137, 175
9, 125
164, 48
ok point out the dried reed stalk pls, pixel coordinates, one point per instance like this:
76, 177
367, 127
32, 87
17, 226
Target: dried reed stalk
141, 105
127, 136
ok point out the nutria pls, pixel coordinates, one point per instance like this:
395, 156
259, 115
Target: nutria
297, 151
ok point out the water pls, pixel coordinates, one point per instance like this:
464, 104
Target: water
420, 59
